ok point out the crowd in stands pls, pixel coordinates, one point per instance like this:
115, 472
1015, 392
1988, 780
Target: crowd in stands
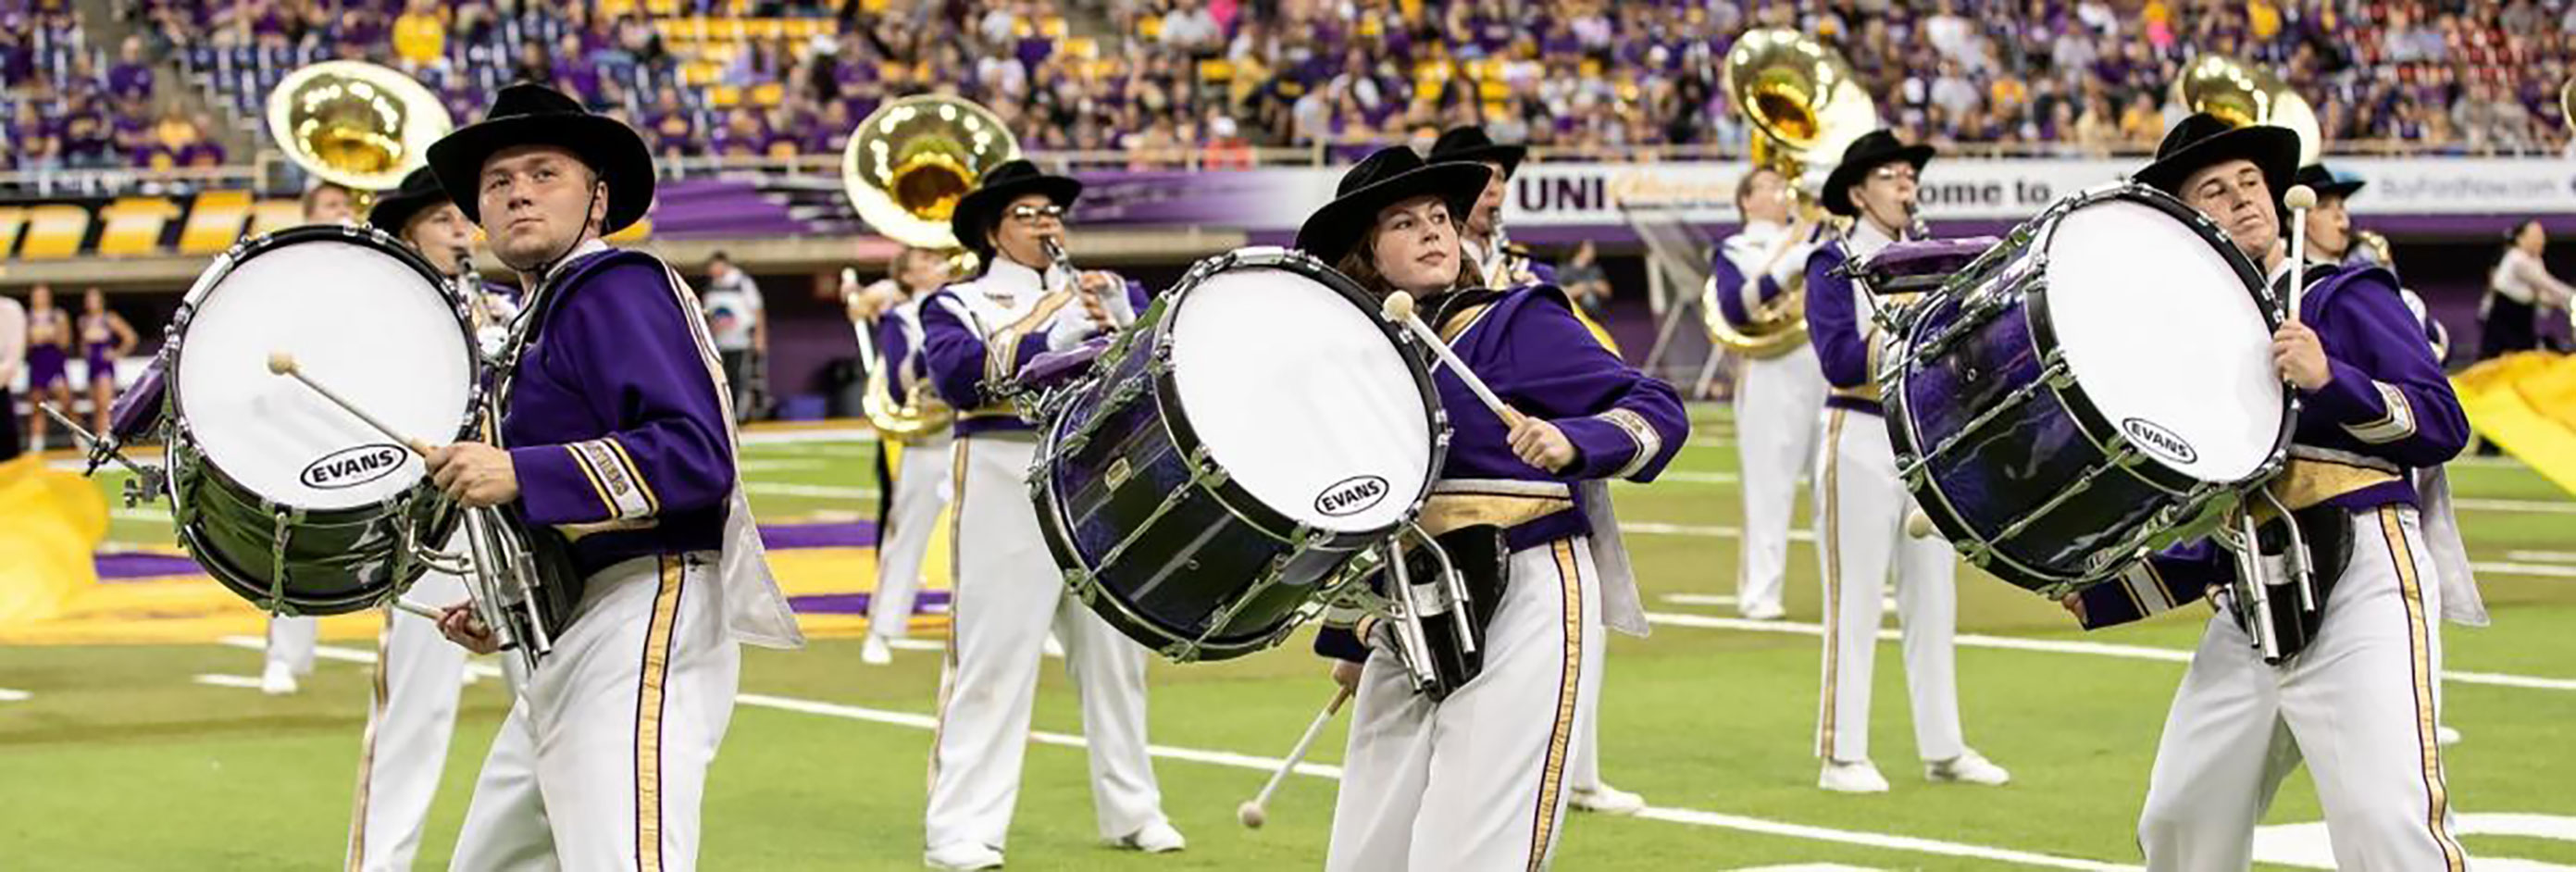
1207, 80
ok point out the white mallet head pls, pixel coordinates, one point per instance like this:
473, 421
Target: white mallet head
1250, 814
280, 362
1399, 306
2300, 197
1918, 524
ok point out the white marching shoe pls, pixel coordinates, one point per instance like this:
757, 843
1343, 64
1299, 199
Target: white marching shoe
1855, 777
962, 857
1156, 838
875, 651
1606, 799
2445, 736
1967, 768
1764, 612
278, 680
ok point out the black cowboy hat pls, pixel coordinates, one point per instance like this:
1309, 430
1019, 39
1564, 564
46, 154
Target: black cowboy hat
1472, 145
528, 114
2326, 182
981, 208
1872, 150
1388, 177
419, 191
2202, 140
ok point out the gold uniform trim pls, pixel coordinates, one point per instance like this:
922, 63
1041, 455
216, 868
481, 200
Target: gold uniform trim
1828, 556
597, 488
652, 503
2401, 554
2309, 481
1450, 511
1466, 319
1551, 784
649, 693
1648, 442
2398, 423
1002, 348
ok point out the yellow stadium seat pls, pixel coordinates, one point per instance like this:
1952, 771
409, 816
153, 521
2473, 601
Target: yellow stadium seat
1082, 47
1216, 70
1149, 27
615, 8
1493, 90
768, 93
1591, 68
1055, 28
876, 5
723, 96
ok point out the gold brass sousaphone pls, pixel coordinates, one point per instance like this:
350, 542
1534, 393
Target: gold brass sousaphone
1805, 104
906, 166
355, 124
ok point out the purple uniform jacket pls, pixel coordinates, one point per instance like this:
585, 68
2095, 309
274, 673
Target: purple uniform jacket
1834, 325
2388, 411
1529, 349
894, 350
1730, 288
613, 417
962, 357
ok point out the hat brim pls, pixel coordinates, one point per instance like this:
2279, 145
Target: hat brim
610, 147
2273, 150
1837, 190
395, 210
977, 211
1337, 228
1510, 156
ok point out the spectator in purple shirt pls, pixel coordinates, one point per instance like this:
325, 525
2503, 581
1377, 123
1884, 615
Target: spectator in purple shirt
131, 77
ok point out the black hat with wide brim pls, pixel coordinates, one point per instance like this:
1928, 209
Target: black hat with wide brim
419, 191
1471, 144
2204, 140
1872, 150
526, 114
981, 208
2326, 182
1390, 176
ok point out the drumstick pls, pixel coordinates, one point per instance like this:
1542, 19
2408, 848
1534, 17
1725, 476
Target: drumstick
282, 363
2300, 199
416, 608
1399, 309
1251, 812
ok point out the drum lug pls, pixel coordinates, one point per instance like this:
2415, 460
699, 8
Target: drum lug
1118, 473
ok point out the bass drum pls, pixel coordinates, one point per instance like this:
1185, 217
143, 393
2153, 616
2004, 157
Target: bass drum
1256, 428
285, 498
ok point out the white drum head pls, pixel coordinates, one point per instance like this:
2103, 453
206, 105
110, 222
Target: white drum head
2164, 339
1301, 399
358, 321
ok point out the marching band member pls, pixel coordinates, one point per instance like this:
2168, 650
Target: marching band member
1008, 591
921, 486
1779, 400
1504, 267
2357, 695
1421, 787
291, 639
617, 448
412, 713
2332, 244
1863, 505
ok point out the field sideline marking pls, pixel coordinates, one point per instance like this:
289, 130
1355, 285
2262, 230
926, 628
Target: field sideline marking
2063, 646
1692, 817
7, 695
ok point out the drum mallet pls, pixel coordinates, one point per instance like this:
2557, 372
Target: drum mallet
283, 363
1399, 309
2300, 199
1252, 812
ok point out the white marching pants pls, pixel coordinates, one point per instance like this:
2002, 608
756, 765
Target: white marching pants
409, 721
921, 488
1861, 509
1477, 781
1778, 407
2359, 706
291, 641
1008, 592
603, 761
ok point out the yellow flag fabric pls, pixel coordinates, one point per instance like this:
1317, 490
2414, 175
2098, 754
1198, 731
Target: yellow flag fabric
50, 523
2526, 404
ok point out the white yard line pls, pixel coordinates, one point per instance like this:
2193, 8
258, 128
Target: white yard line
2064, 646
749, 466
1688, 477
1652, 528
2531, 507
7, 695
782, 489
791, 437
2542, 556
1692, 817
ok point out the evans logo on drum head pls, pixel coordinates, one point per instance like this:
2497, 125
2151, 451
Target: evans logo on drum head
351, 467
1351, 496
2156, 440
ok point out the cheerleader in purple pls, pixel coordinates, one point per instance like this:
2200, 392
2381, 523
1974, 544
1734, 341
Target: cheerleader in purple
104, 337
49, 340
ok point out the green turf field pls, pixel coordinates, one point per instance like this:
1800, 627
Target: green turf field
117, 759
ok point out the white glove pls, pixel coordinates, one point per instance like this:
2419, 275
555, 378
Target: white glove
1113, 299
1071, 326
